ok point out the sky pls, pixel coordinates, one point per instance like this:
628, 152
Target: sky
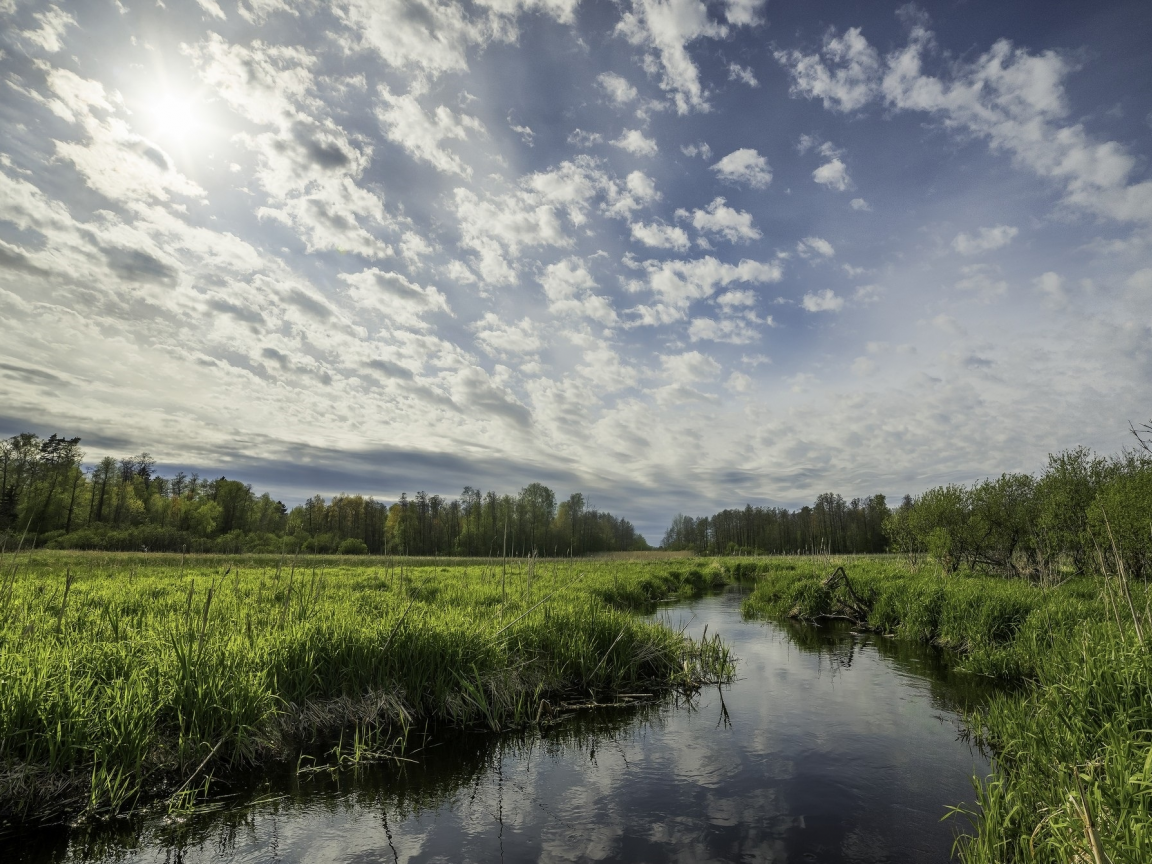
676, 255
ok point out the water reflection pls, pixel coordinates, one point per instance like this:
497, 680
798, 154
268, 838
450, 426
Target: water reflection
831, 747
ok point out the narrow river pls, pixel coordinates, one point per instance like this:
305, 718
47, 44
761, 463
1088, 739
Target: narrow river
830, 747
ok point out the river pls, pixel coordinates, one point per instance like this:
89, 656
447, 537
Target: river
829, 747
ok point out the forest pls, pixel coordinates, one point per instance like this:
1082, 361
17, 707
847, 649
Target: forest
1017, 525
831, 525
50, 498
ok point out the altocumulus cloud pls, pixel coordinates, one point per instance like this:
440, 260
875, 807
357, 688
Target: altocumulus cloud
274, 236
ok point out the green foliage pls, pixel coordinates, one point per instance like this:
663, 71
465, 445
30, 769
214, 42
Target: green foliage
48, 497
1120, 519
831, 524
122, 672
352, 546
1044, 528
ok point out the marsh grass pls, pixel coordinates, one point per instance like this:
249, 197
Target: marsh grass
133, 679
1072, 740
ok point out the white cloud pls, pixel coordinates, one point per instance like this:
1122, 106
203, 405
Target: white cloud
678, 283
660, 236
308, 164
423, 35
744, 12
689, 367
981, 281
833, 174
431, 37
259, 11
731, 300
736, 72
641, 186
580, 138
502, 339
985, 241
810, 246
569, 288
639, 190
212, 8
394, 296
735, 331
414, 248
823, 301
1051, 288
734, 225
702, 150
498, 226
860, 204
50, 35
617, 87
850, 83
113, 159
525, 132
1012, 98
405, 123
666, 27
744, 166
636, 143
738, 382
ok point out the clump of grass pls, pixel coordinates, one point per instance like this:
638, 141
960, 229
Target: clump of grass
125, 680
1072, 777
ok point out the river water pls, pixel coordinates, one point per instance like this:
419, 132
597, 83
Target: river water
830, 747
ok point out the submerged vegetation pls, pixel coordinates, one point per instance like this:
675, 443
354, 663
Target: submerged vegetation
127, 679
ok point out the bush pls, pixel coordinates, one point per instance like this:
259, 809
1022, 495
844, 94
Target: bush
352, 546
1122, 513
1040, 527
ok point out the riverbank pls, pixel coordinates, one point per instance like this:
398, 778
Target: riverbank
1072, 777
130, 679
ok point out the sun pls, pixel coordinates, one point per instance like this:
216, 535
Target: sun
175, 117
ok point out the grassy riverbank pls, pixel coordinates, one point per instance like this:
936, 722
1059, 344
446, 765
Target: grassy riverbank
1073, 743
131, 678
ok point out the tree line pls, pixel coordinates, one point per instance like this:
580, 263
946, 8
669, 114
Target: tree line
831, 524
1081, 513
50, 498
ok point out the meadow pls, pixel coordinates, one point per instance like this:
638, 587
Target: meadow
130, 681
1071, 734
136, 680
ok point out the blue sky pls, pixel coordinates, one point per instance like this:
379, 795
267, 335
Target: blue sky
676, 255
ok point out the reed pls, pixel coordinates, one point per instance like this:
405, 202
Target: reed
130, 679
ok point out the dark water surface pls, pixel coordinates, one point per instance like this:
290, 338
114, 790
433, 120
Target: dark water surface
831, 747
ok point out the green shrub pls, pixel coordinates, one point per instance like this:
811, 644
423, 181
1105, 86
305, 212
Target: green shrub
1122, 514
352, 546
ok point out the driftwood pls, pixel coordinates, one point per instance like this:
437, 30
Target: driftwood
838, 578
854, 608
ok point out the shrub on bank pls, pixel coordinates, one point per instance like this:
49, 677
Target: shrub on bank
1044, 527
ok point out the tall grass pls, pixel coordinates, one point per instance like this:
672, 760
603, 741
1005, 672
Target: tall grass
1072, 777
125, 679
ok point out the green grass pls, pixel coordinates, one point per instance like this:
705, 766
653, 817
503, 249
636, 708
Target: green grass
126, 679
1072, 777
